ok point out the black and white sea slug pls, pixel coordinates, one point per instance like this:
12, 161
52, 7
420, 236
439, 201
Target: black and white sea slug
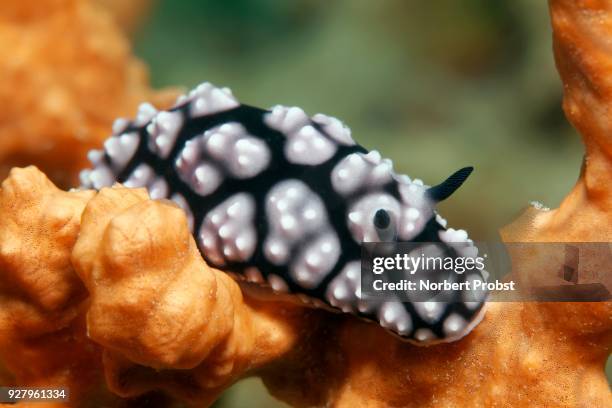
286, 200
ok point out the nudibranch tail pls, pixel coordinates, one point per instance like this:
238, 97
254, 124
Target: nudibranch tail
285, 200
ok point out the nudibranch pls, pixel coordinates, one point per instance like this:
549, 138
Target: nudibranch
286, 200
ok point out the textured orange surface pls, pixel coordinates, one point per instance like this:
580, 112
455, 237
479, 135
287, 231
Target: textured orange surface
112, 285
68, 72
42, 337
165, 319
583, 53
128, 14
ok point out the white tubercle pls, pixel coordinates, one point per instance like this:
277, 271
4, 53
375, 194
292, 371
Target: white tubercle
145, 113
159, 189
140, 177
424, 335
453, 236
416, 210
222, 152
84, 178
227, 233
344, 291
454, 325
298, 224
286, 119
119, 125
335, 129
253, 274
95, 156
277, 283
248, 158
120, 149
101, 176
305, 144
392, 315
163, 131
308, 146
429, 311
440, 220
373, 157
243, 155
207, 99
293, 211
316, 260
205, 179
355, 172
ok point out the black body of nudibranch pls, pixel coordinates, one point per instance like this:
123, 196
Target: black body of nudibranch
283, 199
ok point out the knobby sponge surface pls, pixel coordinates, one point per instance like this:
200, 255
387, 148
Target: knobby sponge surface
68, 72
107, 293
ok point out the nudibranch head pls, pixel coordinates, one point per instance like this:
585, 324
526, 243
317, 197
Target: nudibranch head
374, 193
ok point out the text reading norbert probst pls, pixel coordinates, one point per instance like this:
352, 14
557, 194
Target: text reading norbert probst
427, 285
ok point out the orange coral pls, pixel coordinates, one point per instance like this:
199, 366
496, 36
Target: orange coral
156, 318
75, 73
159, 311
128, 14
584, 62
41, 337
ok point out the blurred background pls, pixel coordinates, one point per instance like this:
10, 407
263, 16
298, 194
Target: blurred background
433, 85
